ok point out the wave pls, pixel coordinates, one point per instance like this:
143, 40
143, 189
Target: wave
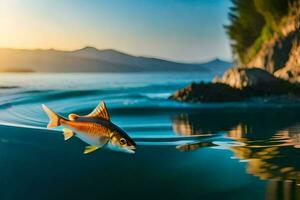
25, 106
142, 104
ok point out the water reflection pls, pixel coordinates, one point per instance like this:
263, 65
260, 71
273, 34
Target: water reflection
284, 190
195, 124
195, 146
270, 144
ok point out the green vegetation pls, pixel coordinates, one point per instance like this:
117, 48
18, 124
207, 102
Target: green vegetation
253, 22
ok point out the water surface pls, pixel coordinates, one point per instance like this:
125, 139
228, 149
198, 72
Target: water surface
247, 150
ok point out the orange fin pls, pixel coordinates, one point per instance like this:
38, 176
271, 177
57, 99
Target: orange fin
100, 112
68, 133
73, 117
54, 119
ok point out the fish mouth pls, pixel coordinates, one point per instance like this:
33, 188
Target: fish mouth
131, 149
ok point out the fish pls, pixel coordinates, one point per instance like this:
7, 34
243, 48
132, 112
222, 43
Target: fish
95, 129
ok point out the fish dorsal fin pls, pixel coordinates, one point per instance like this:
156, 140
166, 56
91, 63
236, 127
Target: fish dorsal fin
100, 112
73, 117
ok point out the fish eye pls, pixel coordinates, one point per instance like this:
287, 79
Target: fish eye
122, 141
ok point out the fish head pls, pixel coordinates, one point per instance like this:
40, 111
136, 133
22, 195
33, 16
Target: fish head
123, 141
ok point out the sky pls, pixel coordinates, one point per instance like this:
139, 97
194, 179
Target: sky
179, 30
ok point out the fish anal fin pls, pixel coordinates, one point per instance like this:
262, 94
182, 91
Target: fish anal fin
100, 112
90, 149
68, 133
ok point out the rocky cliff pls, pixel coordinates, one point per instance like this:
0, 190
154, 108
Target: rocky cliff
272, 70
280, 54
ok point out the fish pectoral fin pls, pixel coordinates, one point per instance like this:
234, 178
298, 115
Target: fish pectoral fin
90, 149
68, 133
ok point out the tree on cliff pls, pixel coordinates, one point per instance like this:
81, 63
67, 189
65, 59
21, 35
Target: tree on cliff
252, 22
273, 10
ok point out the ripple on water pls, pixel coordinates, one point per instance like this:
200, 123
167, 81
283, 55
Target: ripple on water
251, 135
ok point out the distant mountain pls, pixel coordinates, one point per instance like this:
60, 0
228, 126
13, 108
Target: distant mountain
217, 65
90, 59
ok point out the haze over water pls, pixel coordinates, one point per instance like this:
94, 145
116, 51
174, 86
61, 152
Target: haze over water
187, 151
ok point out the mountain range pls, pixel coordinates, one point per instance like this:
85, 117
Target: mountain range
90, 59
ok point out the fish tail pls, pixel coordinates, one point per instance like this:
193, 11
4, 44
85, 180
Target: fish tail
54, 119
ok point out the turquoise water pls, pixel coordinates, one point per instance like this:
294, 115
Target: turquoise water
247, 150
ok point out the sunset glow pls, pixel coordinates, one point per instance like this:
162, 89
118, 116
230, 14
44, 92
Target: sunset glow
175, 30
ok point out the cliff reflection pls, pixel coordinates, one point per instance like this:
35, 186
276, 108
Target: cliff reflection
195, 146
271, 144
195, 124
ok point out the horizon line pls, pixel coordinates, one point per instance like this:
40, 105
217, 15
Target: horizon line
119, 51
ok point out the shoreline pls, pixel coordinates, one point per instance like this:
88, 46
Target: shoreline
237, 85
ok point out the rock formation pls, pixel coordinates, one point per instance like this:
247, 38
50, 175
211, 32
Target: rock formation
280, 55
237, 84
244, 77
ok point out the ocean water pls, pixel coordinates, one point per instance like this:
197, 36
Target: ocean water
245, 150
